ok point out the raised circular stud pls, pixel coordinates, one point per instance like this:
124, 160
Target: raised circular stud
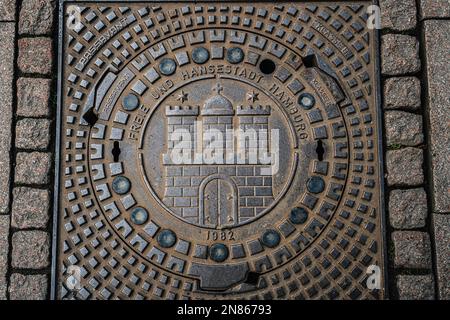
270, 238
306, 101
130, 102
315, 184
139, 215
166, 238
121, 185
235, 55
298, 215
167, 66
218, 252
200, 55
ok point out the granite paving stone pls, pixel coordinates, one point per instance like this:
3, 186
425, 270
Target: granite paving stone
408, 208
437, 44
28, 287
403, 128
33, 95
412, 249
4, 249
398, 15
404, 167
32, 168
36, 17
441, 224
402, 93
30, 208
35, 55
6, 92
30, 249
399, 54
434, 9
32, 134
7, 10
415, 287
3, 286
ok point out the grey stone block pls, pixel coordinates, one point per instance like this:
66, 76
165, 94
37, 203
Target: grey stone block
415, 287
182, 181
437, 45
182, 202
6, 93
399, 54
190, 192
173, 192
173, 120
408, 208
28, 287
398, 15
33, 134
255, 181
230, 171
4, 249
174, 171
36, 17
246, 191
35, 55
245, 171
412, 249
247, 212
441, 225
30, 249
404, 167
30, 208
263, 191
434, 9
255, 201
7, 10
206, 171
189, 121
3, 286
32, 168
403, 128
402, 93
191, 171
33, 96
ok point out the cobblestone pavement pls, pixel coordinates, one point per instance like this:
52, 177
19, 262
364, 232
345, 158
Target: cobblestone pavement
415, 43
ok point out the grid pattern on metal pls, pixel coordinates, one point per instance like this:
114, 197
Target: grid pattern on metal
135, 225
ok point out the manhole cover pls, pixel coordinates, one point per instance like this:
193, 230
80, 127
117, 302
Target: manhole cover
218, 150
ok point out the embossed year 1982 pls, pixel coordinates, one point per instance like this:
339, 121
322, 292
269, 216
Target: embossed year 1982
220, 235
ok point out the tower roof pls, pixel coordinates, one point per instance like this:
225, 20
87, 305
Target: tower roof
218, 105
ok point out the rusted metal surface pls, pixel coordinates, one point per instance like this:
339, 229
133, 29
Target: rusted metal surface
135, 224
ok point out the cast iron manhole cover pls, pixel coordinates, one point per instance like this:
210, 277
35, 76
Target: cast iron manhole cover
218, 150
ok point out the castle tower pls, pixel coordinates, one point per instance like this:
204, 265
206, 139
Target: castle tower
254, 122
179, 118
217, 114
